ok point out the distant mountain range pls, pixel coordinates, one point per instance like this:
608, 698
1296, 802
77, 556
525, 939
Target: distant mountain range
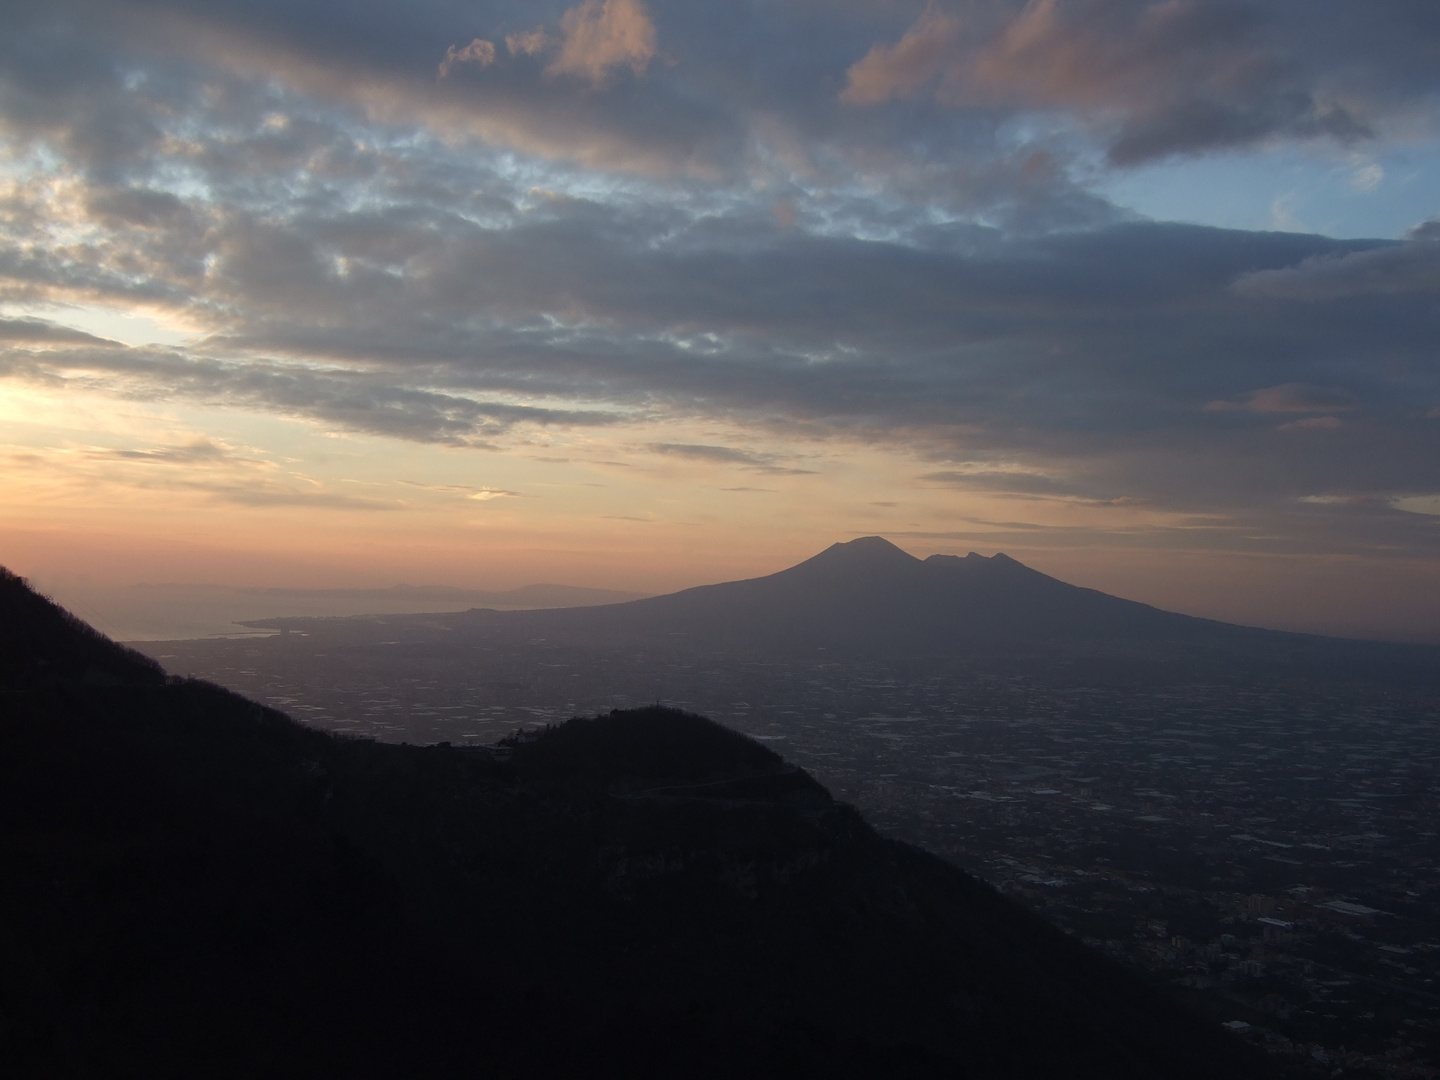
868, 598
195, 885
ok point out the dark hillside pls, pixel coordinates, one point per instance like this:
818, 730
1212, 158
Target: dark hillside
643, 746
42, 643
196, 886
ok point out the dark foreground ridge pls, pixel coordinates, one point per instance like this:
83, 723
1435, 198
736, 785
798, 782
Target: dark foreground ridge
197, 886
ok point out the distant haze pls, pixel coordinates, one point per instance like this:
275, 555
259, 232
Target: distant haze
173, 611
1387, 601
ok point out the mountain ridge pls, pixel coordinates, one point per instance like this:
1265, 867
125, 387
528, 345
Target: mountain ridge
42, 644
198, 885
869, 595
867, 599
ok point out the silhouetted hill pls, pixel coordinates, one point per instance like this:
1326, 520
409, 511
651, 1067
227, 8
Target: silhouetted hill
645, 746
197, 886
42, 643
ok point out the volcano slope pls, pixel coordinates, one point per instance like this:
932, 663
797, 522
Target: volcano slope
198, 886
870, 601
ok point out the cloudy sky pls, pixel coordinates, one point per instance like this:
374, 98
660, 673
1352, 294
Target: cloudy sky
646, 294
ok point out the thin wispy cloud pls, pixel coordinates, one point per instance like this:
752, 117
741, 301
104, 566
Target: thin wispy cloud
727, 455
478, 494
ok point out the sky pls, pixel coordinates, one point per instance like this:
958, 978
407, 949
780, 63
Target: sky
643, 295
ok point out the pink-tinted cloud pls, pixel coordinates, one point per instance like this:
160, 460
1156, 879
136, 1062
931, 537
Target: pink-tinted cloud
1094, 53
1314, 423
1289, 398
601, 35
479, 52
529, 43
901, 70
1166, 76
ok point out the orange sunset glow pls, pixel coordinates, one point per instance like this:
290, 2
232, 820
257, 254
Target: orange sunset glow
558, 294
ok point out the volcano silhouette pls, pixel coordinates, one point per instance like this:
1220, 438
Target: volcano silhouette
868, 596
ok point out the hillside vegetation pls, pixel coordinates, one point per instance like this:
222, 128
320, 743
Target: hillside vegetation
198, 886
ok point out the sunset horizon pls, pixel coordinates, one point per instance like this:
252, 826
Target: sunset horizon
625, 295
